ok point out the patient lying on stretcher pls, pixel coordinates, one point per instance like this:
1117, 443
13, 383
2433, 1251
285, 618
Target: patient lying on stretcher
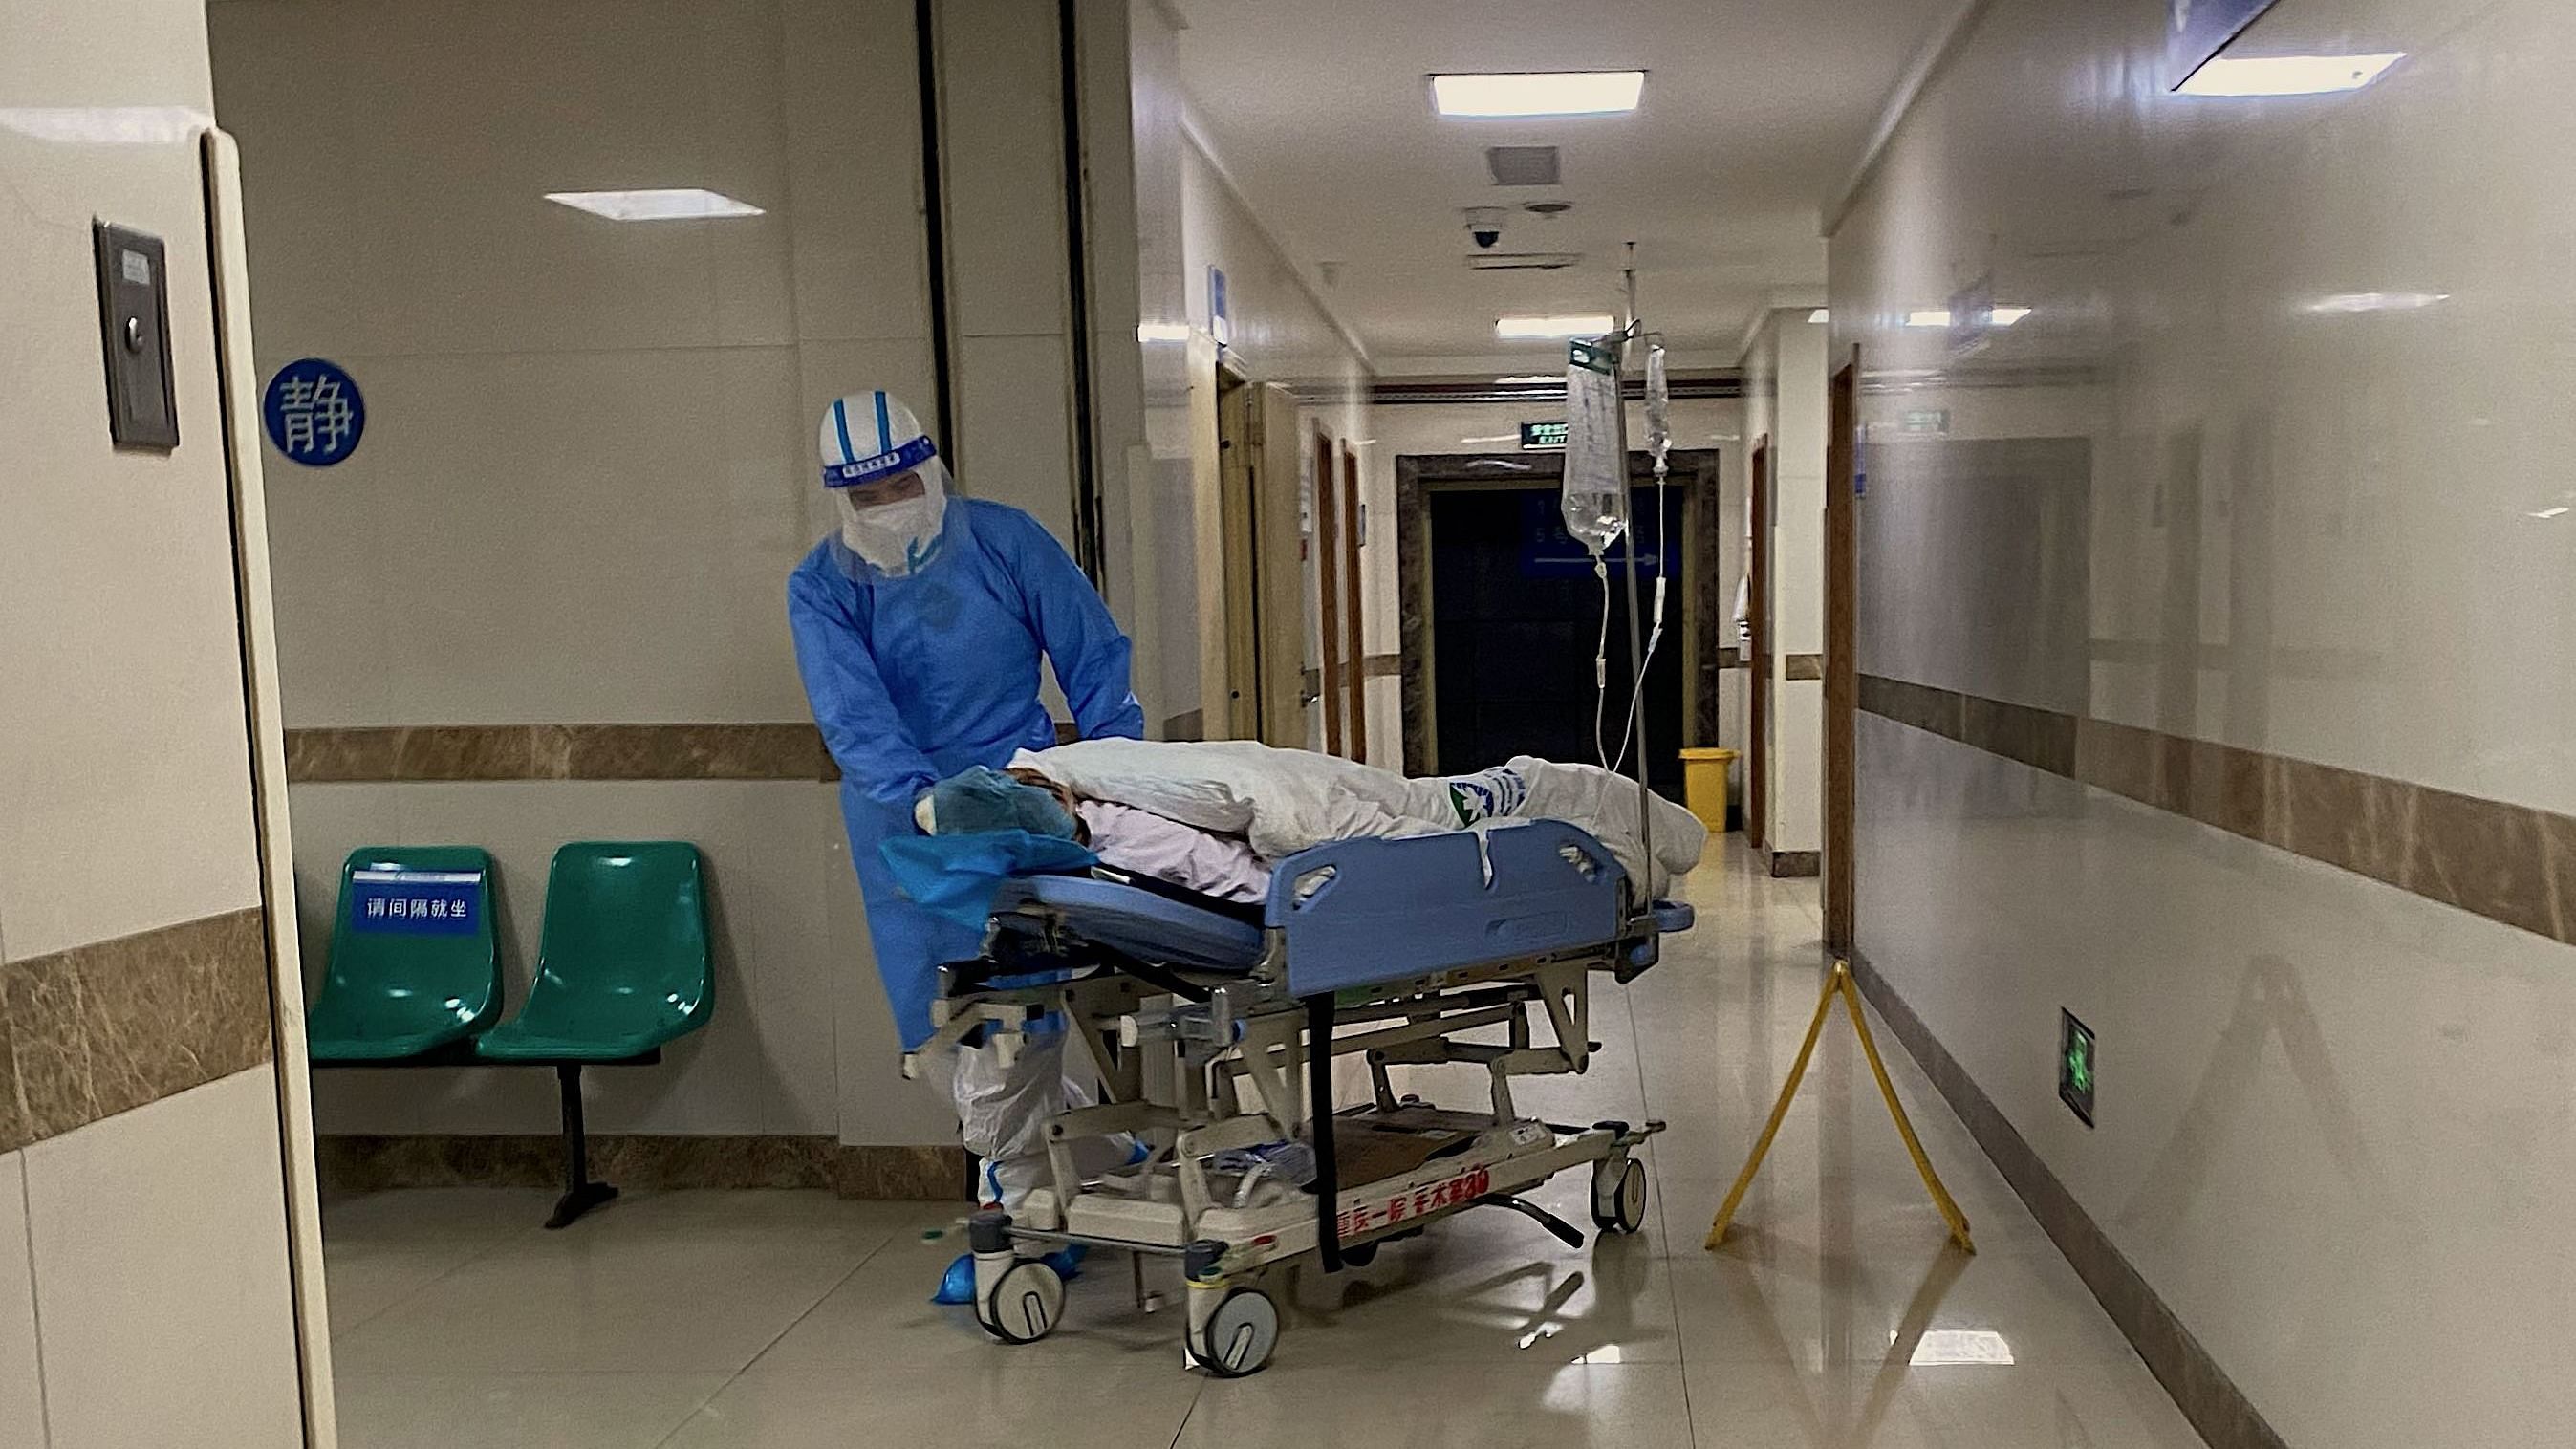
1214, 816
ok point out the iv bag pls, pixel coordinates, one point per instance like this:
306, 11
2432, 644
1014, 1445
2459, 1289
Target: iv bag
1595, 500
1659, 405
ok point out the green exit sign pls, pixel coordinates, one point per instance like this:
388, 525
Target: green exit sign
1536, 437
2075, 1065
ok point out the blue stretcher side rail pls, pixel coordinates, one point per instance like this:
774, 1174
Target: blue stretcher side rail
1359, 913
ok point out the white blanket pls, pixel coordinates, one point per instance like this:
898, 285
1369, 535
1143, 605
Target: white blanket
1283, 801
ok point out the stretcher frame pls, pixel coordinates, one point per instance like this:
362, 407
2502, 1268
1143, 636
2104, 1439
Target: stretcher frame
1195, 1061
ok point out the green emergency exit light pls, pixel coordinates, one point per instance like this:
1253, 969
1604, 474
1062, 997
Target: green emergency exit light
2075, 1065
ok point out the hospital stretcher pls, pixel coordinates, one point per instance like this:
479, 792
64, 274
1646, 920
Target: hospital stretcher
1201, 1018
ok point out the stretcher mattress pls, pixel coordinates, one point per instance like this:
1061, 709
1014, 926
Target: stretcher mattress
1359, 913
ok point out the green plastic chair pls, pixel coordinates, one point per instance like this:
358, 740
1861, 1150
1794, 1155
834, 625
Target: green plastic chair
622, 967
401, 985
622, 964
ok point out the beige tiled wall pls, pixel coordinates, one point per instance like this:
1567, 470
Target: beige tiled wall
22, 1385
589, 465
143, 1256
1784, 384
1280, 333
2330, 1121
148, 1280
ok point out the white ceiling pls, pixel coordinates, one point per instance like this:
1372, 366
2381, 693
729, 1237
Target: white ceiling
1754, 111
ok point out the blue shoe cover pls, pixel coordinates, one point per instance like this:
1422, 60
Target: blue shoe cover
957, 1285
1067, 1260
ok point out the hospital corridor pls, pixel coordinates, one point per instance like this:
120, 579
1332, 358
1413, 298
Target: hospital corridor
1688, 724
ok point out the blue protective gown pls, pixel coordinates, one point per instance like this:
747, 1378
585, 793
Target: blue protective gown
913, 679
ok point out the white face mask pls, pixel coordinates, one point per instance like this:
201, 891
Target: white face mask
897, 538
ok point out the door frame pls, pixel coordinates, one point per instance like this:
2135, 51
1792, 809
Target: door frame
1757, 649
1328, 592
1239, 464
1843, 481
1354, 635
1694, 476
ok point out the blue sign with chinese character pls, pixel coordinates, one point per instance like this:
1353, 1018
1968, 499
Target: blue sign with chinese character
314, 413
416, 902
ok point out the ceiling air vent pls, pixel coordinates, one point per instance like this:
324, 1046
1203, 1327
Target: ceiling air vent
1521, 261
1522, 165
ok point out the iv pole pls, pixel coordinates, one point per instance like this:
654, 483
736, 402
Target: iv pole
1636, 643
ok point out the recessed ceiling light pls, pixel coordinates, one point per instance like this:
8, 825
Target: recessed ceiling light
1538, 93
2287, 75
1556, 378
2377, 301
1941, 1346
2557, 512
1940, 316
1820, 315
1580, 324
1162, 332
665, 203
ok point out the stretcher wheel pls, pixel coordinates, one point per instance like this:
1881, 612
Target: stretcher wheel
1240, 1335
1025, 1305
1619, 1195
1359, 1257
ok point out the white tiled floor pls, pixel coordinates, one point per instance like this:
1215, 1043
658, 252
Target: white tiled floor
788, 1319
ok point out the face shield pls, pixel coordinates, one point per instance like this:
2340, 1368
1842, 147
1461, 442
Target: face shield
887, 481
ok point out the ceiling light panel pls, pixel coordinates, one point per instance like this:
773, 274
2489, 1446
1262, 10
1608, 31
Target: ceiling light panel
1538, 93
1577, 324
666, 203
2287, 75
1522, 261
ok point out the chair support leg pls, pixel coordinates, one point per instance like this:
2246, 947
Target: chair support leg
580, 1193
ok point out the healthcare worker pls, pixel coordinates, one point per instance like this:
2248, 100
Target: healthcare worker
918, 627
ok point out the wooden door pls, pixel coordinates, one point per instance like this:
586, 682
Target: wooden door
1842, 678
1757, 663
1328, 566
1279, 576
1238, 463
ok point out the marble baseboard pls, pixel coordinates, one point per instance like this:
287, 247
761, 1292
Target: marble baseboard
558, 752
925, 1174
2508, 863
403, 754
105, 1028
2207, 1397
1796, 864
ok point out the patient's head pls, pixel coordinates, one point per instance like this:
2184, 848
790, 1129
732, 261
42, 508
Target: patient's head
979, 799
1062, 793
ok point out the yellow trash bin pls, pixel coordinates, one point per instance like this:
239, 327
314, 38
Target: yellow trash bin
1704, 784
